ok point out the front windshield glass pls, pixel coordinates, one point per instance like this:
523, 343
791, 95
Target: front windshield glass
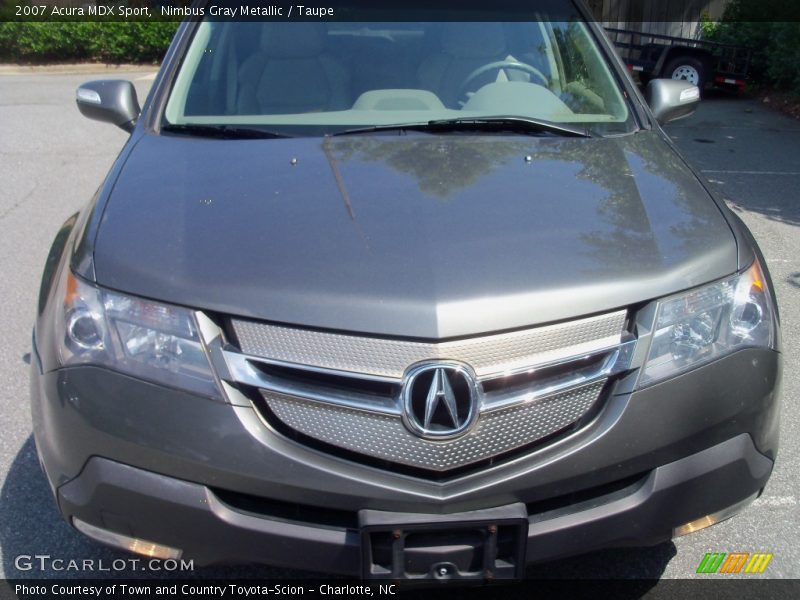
301, 78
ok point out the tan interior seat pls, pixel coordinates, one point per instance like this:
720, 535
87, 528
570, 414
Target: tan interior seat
292, 73
464, 48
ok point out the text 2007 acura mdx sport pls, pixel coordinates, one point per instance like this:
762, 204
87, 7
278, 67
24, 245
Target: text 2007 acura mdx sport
401, 299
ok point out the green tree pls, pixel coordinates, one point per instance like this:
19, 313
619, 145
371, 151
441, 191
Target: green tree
109, 41
775, 43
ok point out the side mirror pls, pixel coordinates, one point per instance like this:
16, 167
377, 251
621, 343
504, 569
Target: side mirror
113, 101
671, 99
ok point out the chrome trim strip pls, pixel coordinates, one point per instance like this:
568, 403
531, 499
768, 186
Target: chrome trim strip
627, 346
312, 369
617, 361
390, 358
243, 369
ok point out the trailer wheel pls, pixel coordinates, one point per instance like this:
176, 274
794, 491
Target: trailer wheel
687, 68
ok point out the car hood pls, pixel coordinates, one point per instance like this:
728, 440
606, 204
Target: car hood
409, 235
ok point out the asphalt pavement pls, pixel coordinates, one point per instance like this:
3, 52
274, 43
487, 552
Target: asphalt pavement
52, 160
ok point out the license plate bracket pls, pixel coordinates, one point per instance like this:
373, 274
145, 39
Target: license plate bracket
484, 545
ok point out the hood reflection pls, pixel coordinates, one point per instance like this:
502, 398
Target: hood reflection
442, 167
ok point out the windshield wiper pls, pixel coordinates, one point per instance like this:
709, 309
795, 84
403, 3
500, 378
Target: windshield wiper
514, 124
227, 132
495, 124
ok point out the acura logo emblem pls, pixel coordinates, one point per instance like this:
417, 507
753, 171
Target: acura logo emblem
440, 400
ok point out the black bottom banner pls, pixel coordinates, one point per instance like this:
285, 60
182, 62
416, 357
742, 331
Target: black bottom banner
199, 589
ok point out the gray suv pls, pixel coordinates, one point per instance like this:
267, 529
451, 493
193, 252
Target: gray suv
407, 300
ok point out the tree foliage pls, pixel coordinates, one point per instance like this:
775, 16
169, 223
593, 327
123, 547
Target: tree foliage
107, 41
775, 42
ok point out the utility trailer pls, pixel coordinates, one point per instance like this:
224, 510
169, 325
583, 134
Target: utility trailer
700, 62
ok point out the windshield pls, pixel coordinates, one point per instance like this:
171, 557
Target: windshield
299, 78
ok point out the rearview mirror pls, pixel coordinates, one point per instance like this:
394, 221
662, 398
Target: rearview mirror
113, 101
671, 99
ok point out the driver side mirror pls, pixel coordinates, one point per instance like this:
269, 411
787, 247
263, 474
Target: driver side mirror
671, 99
112, 101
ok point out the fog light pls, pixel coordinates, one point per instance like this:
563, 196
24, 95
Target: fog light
125, 542
712, 519
695, 525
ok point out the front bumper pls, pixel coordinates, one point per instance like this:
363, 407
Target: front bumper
215, 481
191, 517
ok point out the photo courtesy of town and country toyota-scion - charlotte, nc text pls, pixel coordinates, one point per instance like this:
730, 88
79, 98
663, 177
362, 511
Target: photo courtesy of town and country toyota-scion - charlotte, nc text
200, 590
213, 10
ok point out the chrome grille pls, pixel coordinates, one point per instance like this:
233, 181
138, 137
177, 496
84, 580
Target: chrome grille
487, 355
344, 390
385, 437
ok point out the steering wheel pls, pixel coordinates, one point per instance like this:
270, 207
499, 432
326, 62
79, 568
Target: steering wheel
501, 64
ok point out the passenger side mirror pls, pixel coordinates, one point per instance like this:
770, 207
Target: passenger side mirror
671, 99
113, 101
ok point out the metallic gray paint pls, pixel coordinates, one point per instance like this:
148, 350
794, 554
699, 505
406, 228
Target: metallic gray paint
111, 100
587, 226
79, 410
429, 236
194, 518
709, 427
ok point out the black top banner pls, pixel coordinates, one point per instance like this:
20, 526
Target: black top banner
278, 10
628, 11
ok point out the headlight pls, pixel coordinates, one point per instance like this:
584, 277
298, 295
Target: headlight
145, 339
709, 322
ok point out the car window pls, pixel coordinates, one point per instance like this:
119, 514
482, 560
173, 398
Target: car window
319, 78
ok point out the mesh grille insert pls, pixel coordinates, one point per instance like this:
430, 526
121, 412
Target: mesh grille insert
385, 437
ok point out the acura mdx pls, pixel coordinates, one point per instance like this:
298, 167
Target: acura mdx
418, 299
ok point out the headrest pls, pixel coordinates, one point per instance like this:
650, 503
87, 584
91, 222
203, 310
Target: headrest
293, 40
473, 40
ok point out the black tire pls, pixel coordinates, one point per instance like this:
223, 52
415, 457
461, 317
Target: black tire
689, 65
